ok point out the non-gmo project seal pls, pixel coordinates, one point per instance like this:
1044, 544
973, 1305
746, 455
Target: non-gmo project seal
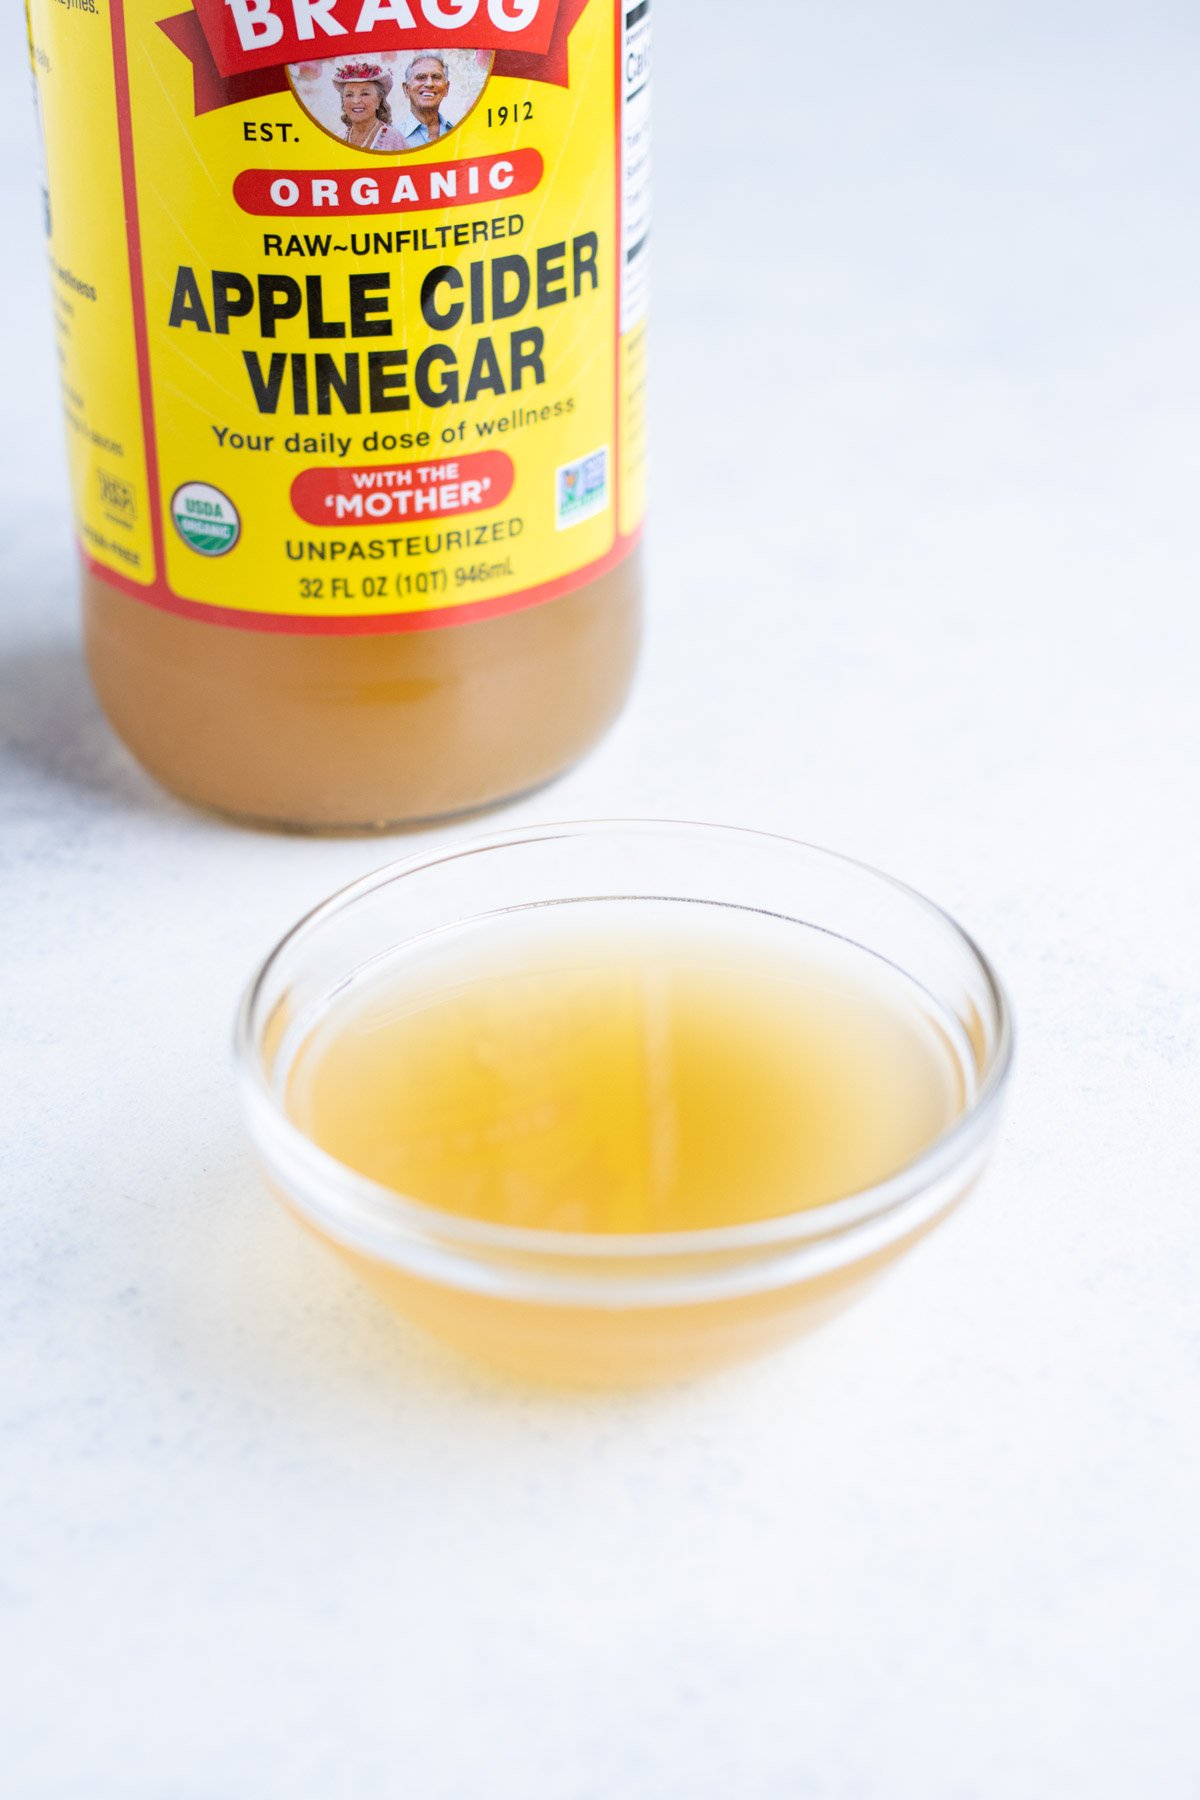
205, 518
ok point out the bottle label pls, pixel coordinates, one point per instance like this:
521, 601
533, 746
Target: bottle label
350, 299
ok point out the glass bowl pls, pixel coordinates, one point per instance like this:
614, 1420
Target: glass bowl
570, 1306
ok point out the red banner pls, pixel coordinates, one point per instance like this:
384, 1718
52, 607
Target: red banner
245, 35
342, 193
222, 77
373, 496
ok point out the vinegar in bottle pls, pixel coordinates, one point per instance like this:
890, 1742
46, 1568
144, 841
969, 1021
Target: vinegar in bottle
352, 333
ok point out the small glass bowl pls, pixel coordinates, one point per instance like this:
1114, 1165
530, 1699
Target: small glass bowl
577, 1307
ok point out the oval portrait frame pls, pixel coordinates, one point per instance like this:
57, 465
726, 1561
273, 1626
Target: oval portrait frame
401, 60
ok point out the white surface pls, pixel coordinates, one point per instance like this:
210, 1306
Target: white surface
924, 589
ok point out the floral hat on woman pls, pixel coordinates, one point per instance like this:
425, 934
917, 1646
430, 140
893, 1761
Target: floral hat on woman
363, 71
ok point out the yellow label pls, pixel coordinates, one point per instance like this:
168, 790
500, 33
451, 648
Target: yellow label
354, 343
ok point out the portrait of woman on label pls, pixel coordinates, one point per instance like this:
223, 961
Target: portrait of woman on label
389, 104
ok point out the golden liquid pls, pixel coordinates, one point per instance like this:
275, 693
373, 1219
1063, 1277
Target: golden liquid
628, 1067
326, 732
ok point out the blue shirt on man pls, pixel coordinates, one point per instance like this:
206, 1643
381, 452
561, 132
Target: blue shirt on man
414, 132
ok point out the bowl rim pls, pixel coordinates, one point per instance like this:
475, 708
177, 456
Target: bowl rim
393, 1221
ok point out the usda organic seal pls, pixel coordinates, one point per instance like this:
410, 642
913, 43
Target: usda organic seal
205, 518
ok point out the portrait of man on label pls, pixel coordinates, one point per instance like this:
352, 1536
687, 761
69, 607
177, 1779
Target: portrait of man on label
427, 93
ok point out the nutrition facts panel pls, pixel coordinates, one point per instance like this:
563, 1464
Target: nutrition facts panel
635, 165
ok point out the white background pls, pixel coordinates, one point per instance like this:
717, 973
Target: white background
924, 590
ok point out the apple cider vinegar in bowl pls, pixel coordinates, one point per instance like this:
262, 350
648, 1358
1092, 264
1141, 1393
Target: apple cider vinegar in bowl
617, 1102
606, 1067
